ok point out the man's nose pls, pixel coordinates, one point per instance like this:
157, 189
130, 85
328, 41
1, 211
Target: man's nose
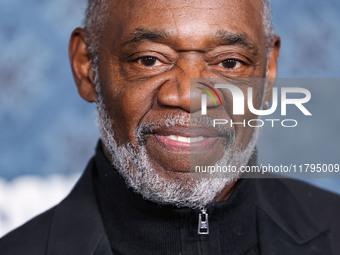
180, 90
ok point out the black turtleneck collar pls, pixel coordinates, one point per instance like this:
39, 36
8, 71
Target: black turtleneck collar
138, 226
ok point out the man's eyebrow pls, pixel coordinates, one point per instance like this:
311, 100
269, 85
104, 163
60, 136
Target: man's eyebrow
141, 34
236, 38
224, 37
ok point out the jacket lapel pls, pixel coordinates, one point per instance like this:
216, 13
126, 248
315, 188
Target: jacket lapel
76, 225
275, 241
285, 226
103, 247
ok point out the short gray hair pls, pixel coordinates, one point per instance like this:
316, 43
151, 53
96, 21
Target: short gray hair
269, 31
93, 25
95, 18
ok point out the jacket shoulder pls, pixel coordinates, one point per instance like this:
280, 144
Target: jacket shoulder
322, 204
30, 238
296, 202
311, 196
306, 193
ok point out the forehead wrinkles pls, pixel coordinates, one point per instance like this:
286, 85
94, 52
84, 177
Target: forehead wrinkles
144, 12
132, 9
186, 20
140, 4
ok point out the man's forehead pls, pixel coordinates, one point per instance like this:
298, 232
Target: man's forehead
159, 4
192, 18
137, 9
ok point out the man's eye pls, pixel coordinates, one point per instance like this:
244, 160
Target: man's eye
230, 64
149, 61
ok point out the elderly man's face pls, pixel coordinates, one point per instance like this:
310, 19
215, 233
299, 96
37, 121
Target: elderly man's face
149, 51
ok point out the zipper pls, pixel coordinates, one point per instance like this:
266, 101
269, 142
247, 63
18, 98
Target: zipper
203, 222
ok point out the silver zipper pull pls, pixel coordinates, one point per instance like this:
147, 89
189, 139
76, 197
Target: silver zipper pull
203, 223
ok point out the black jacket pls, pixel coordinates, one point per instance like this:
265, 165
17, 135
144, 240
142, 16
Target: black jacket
292, 218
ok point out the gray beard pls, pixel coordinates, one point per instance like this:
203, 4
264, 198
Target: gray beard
184, 191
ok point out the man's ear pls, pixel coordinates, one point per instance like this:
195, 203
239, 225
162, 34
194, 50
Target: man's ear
272, 68
81, 65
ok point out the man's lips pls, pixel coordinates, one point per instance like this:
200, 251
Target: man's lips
178, 148
185, 139
182, 145
188, 131
180, 138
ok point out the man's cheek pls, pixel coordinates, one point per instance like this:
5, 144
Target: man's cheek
129, 109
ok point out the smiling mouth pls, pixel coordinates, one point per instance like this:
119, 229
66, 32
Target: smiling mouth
184, 144
179, 148
185, 139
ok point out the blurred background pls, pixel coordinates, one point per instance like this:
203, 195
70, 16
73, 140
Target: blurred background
48, 133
